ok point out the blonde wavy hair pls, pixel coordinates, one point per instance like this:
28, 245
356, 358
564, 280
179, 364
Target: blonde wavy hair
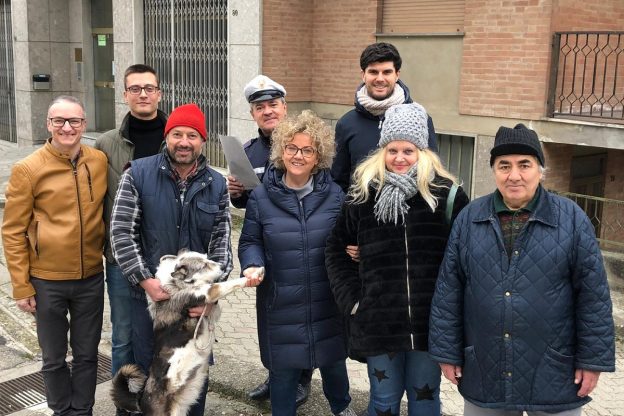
372, 171
308, 123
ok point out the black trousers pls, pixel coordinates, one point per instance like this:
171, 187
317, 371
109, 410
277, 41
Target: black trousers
70, 393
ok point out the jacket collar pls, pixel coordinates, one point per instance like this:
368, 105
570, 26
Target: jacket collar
59, 154
544, 210
287, 198
264, 139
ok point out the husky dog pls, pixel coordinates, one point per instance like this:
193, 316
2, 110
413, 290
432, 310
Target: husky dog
182, 344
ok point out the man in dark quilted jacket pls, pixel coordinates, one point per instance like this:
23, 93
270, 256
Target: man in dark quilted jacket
521, 319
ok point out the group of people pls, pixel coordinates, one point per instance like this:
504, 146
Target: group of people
370, 249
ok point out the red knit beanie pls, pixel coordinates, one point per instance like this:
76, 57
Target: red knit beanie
187, 115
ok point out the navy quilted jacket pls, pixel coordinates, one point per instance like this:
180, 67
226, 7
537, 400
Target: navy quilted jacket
299, 325
520, 325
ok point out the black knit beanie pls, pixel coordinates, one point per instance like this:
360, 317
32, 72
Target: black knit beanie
517, 141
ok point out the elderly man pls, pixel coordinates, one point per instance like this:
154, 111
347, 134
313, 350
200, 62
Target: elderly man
521, 318
140, 135
165, 203
268, 107
53, 236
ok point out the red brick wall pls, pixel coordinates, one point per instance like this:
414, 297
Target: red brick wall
590, 15
506, 58
558, 163
313, 47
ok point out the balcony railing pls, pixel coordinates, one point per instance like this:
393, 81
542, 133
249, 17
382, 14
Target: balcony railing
606, 217
587, 76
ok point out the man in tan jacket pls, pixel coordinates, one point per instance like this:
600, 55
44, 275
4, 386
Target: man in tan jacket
53, 236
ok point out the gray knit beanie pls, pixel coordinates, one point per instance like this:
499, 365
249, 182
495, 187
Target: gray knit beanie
405, 122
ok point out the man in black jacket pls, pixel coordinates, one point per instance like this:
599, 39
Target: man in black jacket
357, 132
268, 107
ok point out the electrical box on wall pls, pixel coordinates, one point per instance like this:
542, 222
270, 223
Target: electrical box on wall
41, 82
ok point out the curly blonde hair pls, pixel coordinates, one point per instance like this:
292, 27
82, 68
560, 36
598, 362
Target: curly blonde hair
309, 123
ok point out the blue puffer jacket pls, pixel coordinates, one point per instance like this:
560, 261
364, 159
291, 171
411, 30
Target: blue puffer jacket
357, 135
520, 326
299, 325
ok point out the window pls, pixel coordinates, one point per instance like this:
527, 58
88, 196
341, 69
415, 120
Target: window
423, 16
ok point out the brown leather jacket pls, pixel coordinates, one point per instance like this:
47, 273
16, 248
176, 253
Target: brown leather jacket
53, 227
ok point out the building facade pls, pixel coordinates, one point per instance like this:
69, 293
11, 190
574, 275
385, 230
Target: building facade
555, 65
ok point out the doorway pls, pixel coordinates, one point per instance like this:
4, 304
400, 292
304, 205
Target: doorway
103, 59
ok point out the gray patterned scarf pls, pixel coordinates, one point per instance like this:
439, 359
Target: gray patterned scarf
390, 200
379, 107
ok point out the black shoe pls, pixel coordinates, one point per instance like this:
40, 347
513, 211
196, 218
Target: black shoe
121, 412
261, 392
303, 392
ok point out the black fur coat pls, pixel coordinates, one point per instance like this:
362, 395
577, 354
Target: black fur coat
395, 278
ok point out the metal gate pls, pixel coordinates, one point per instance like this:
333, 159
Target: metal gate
8, 130
186, 42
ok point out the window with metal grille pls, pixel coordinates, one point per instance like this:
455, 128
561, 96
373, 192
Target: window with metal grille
456, 153
186, 42
422, 16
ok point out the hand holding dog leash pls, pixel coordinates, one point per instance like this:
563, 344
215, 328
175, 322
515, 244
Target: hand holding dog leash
254, 276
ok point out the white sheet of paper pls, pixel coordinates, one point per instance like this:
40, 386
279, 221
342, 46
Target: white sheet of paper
237, 161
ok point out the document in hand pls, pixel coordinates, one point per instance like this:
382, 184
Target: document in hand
237, 161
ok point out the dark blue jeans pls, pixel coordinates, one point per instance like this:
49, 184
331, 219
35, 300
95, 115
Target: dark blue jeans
70, 393
410, 372
121, 316
284, 382
143, 346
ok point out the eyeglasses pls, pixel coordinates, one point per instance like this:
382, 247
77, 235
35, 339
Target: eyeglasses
292, 150
60, 121
136, 90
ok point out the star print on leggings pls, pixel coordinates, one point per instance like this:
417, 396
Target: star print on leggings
424, 393
385, 412
380, 374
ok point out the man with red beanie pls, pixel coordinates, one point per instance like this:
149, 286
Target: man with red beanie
165, 203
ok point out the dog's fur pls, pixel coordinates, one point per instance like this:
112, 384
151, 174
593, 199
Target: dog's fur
180, 365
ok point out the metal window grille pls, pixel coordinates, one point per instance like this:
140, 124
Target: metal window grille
456, 154
186, 42
587, 78
8, 131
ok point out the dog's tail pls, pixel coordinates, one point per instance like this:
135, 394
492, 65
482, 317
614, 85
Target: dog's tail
127, 388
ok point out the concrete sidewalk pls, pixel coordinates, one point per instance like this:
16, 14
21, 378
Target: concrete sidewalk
238, 366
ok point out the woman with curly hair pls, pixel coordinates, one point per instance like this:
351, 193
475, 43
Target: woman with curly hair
287, 221
398, 212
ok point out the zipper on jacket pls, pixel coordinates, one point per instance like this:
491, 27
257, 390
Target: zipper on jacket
90, 183
409, 296
308, 285
75, 171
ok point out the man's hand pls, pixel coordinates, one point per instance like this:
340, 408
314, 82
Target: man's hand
27, 305
235, 188
587, 379
196, 311
154, 290
353, 252
254, 276
452, 372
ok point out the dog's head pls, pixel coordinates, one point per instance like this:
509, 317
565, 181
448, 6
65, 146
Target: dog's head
188, 268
